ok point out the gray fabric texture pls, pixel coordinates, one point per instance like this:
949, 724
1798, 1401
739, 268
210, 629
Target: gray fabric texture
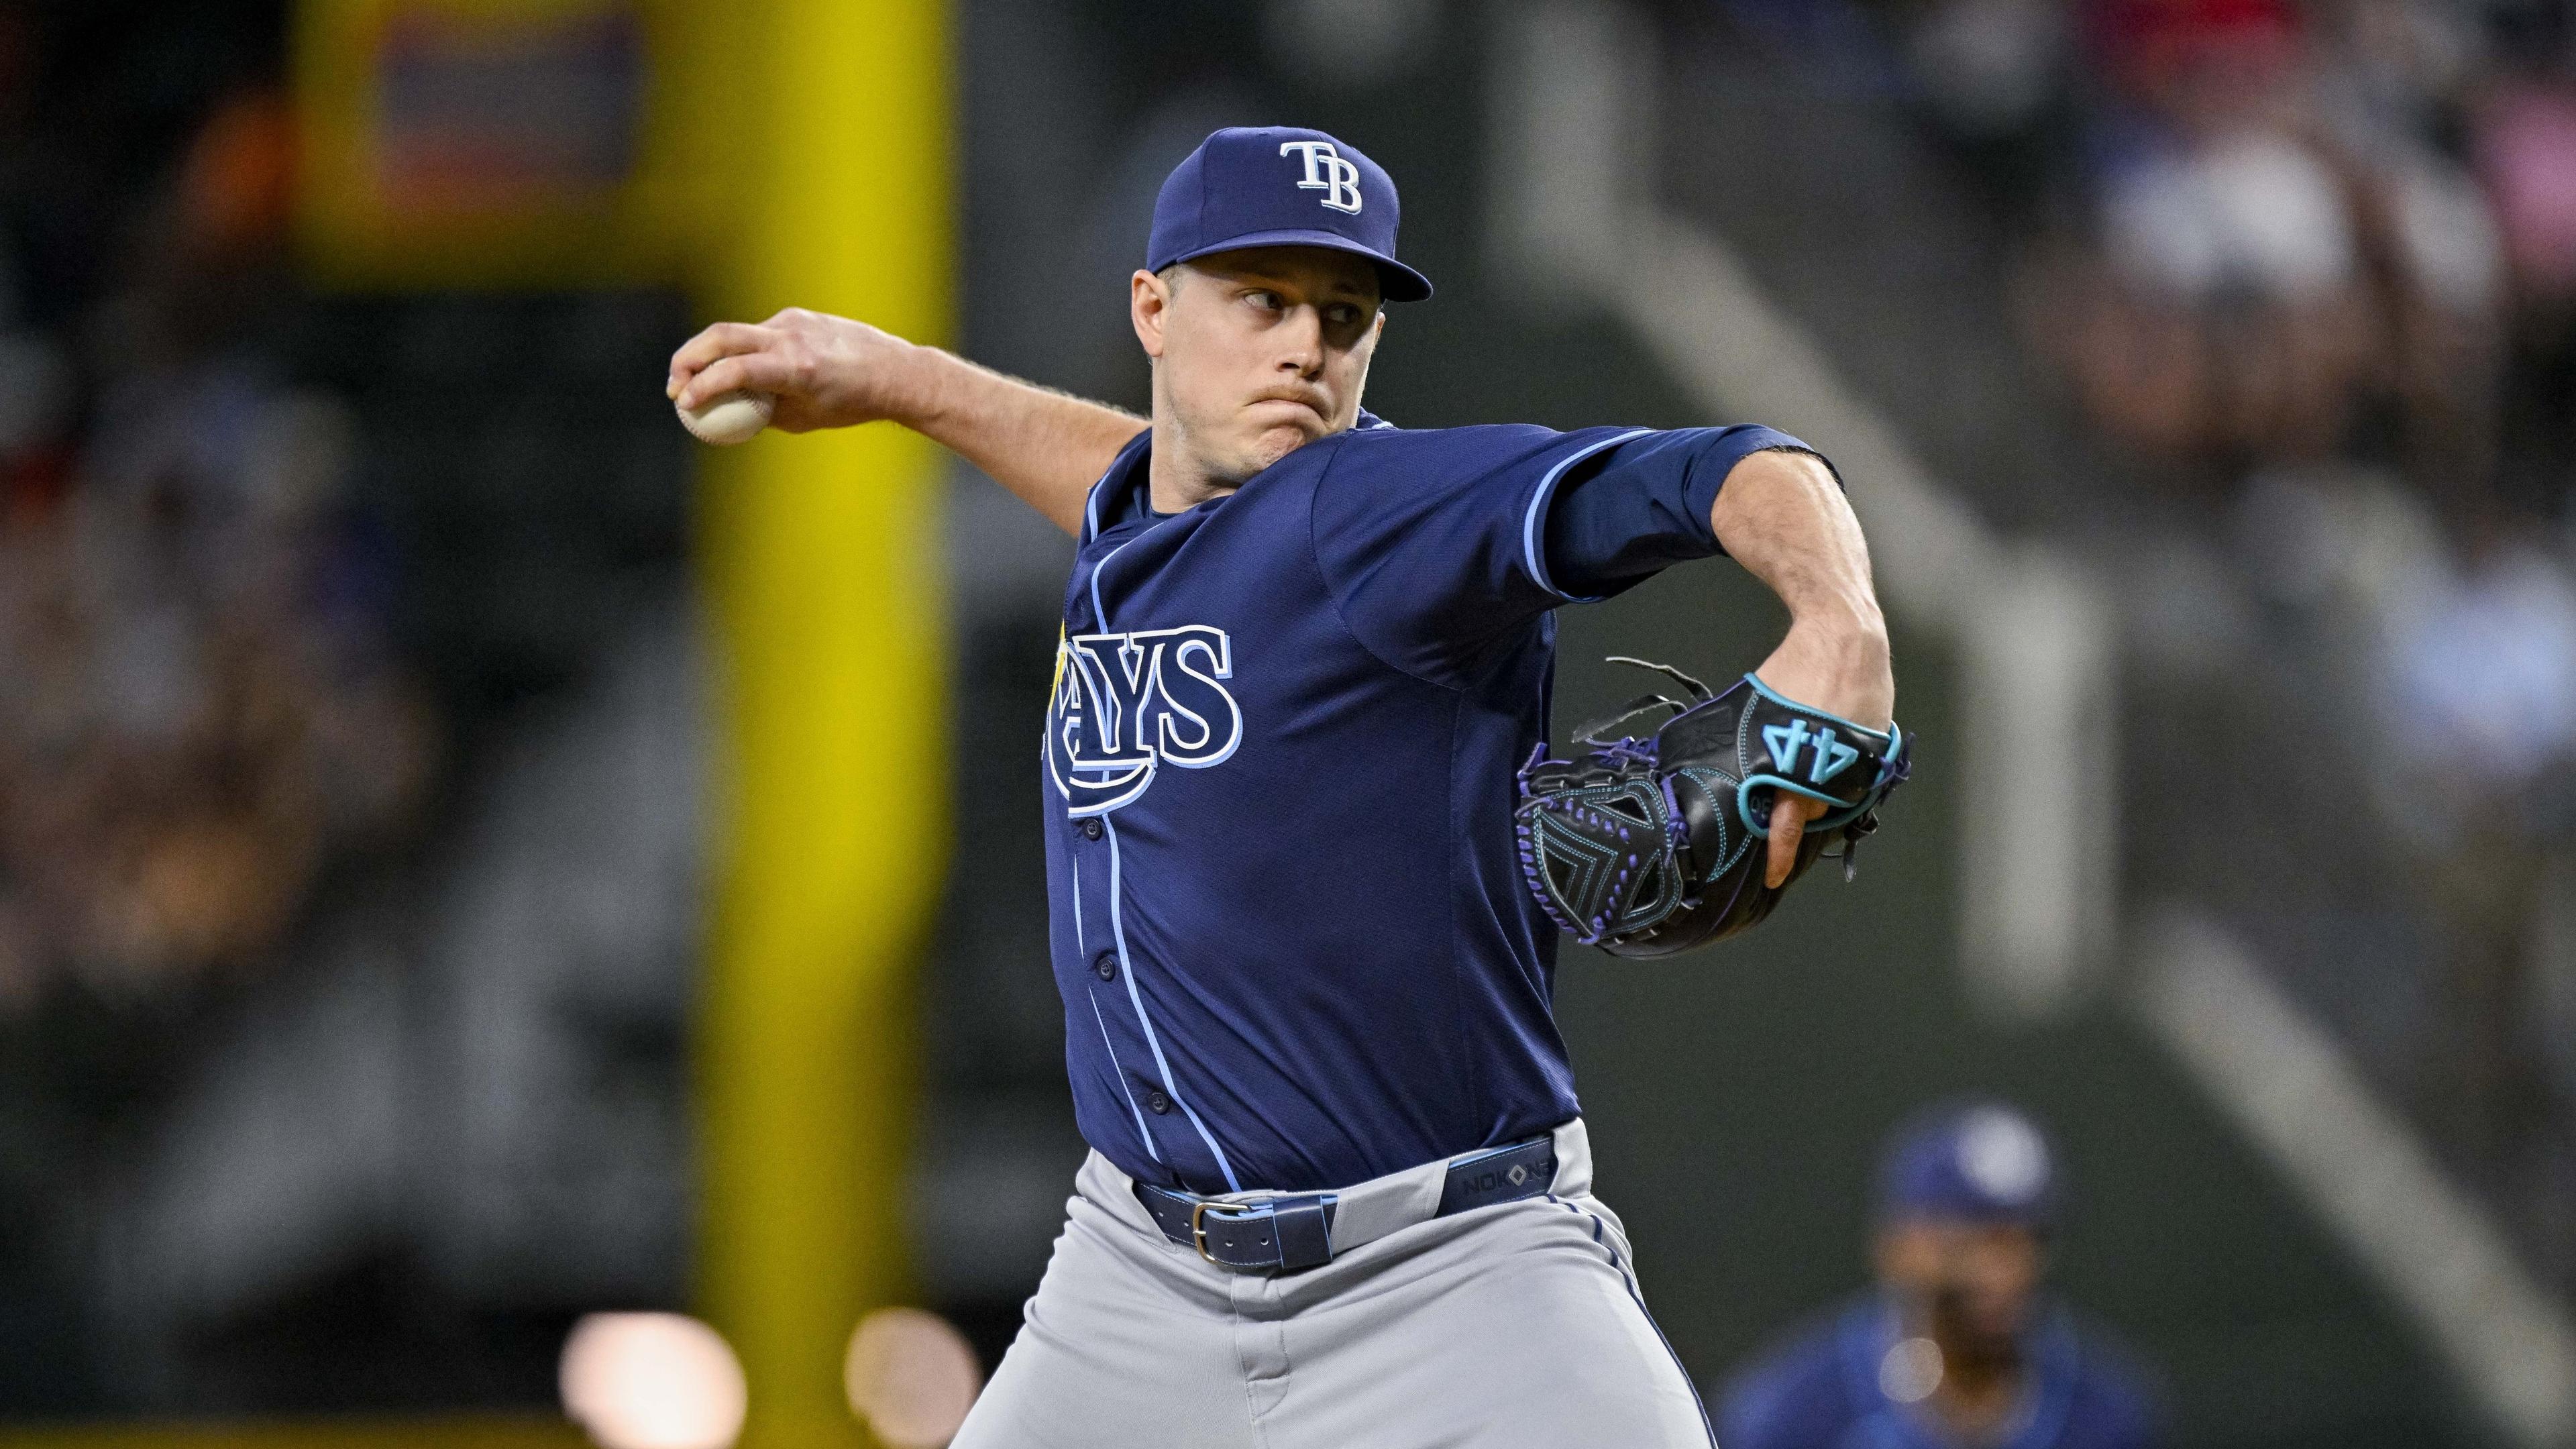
1508, 1327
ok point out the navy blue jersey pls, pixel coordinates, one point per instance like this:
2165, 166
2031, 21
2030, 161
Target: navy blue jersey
1822, 1391
1288, 919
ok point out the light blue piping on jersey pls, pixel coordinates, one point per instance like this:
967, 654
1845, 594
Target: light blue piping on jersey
1091, 506
1118, 930
1100, 621
1099, 615
1121, 1073
1530, 550
1118, 933
1082, 947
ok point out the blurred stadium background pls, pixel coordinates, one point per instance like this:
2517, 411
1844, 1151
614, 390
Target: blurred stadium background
471, 859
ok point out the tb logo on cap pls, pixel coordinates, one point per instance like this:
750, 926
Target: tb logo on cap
1328, 173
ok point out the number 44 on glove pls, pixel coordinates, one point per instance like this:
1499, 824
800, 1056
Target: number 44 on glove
1650, 846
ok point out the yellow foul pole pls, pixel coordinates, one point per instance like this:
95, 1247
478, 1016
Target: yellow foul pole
826, 162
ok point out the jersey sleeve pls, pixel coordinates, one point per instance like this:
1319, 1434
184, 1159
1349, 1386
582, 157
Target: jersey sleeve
1645, 507
1440, 546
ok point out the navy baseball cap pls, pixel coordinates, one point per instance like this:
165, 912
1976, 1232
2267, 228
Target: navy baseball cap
1973, 1162
1280, 186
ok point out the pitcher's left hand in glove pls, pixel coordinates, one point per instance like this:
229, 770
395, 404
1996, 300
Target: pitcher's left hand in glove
1646, 847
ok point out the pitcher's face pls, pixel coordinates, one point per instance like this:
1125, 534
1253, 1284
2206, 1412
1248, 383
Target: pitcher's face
1258, 352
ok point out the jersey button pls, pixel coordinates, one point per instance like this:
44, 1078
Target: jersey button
1158, 1104
1106, 965
1091, 828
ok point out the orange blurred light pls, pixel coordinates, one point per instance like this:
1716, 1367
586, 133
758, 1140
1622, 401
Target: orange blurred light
911, 1377
652, 1381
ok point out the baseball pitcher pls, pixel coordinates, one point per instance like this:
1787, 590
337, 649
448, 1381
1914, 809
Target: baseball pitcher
1307, 858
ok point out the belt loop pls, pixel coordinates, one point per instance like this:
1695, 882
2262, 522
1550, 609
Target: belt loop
1305, 1231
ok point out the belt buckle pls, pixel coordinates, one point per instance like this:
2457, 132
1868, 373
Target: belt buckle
1199, 1209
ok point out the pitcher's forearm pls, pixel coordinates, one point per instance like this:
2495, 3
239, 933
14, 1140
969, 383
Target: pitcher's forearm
1047, 447
1781, 515
824, 371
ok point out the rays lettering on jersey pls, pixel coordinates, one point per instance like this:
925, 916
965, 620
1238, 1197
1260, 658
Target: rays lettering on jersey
1127, 704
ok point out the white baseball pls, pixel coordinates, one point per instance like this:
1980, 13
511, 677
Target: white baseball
729, 418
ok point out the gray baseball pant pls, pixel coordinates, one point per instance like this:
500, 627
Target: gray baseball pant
1512, 1325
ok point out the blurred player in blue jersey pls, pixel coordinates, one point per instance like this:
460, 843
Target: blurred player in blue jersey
1960, 1346
1340, 1191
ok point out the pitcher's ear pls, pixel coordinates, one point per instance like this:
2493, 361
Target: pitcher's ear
1149, 304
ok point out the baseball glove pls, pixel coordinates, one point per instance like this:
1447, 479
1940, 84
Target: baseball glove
1647, 847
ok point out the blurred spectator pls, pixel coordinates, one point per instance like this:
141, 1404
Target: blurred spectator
2526, 152
2481, 689
2523, 143
2214, 309
1990, 68
1959, 1345
2309, 268
2478, 692
2268, 242
202, 709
